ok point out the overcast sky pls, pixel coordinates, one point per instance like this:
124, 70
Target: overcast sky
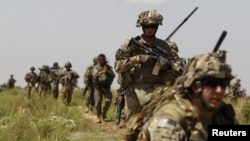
40, 32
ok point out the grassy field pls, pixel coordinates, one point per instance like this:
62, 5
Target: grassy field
47, 119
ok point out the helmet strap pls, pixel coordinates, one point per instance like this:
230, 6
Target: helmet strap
198, 94
205, 106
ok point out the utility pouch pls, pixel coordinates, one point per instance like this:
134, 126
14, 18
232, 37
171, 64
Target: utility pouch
156, 68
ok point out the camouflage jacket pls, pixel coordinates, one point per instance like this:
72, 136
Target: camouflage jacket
43, 78
69, 78
11, 82
131, 71
31, 77
101, 79
175, 119
55, 74
88, 77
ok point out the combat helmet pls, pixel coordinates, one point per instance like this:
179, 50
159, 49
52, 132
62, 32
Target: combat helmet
45, 67
207, 65
95, 60
68, 65
32, 68
55, 64
149, 17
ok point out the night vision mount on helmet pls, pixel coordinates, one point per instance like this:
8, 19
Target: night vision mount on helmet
208, 65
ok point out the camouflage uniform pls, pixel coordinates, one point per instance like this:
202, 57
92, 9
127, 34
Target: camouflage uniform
137, 77
103, 76
44, 86
69, 82
31, 79
89, 86
54, 77
172, 114
11, 82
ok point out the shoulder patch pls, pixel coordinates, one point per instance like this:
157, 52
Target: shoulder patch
166, 123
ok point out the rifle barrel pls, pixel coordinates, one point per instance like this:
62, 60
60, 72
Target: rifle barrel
167, 39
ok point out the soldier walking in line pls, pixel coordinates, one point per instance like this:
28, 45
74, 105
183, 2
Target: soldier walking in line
89, 86
140, 70
69, 82
31, 79
54, 77
44, 86
103, 75
11, 82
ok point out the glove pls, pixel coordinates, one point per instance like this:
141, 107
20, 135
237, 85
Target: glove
141, 58
144, 58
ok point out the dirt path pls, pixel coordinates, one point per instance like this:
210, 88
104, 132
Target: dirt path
109, 130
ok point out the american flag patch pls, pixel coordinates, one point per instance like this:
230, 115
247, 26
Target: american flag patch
166, 123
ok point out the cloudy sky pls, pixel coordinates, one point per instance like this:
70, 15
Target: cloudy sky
40, 32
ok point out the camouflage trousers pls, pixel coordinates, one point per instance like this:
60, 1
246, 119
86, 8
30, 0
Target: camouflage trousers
89, 96
99, 94
136, 95
44, 89
55, 89
31, 89
67, 92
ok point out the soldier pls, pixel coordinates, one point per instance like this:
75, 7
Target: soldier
69, 82
136, 65
183, 111
103, 76
54, 77
31, 79
89, 86
11, 82
44, 86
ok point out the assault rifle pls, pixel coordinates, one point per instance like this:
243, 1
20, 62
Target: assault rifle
119, 105
66, 79
156, 52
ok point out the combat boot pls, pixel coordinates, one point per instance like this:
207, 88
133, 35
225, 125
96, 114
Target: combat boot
122, 124
104, 117
91, 109
87, 110
98, 119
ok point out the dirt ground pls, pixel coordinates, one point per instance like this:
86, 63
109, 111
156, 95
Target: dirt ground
110, 131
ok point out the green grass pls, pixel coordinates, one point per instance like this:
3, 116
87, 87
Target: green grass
46, 119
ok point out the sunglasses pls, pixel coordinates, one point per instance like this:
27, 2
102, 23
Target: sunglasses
151, 26
214, 82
